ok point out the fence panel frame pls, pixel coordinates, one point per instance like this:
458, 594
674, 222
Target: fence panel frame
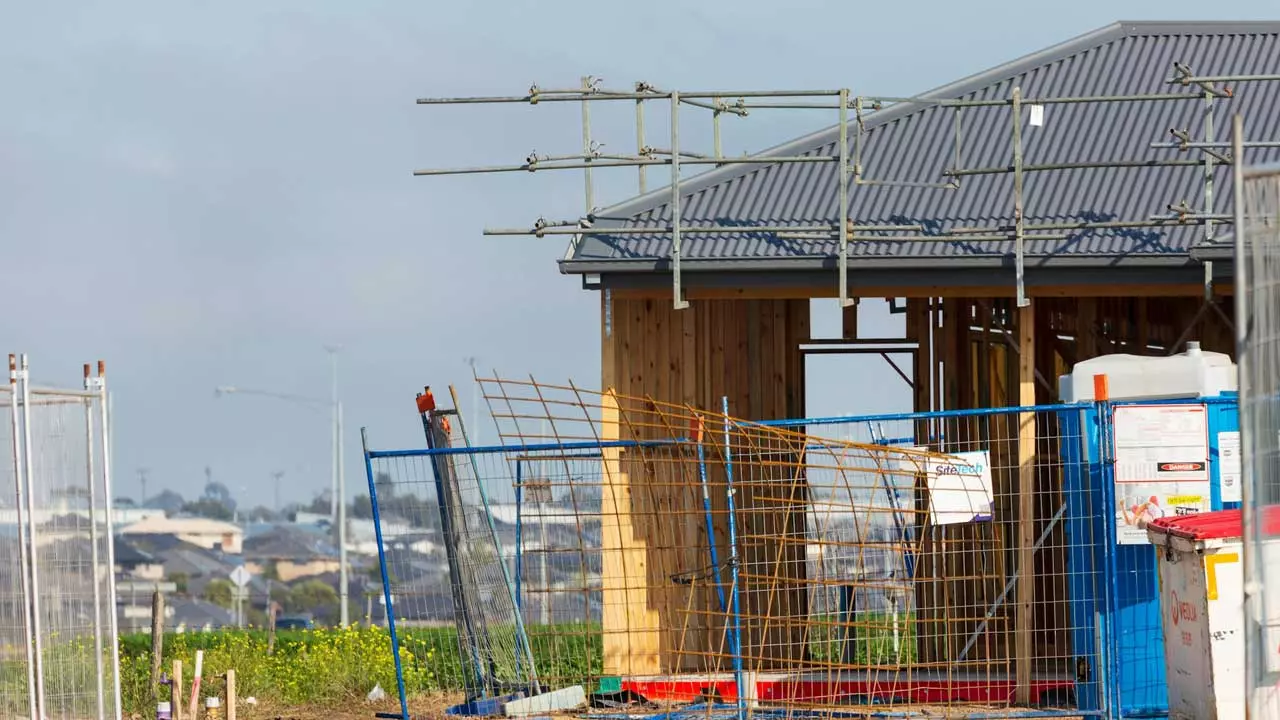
930, 421
59, 444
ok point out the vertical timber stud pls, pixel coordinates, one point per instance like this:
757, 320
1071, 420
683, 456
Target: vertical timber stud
1026, 503
1018, 237
843, 220
849, 321
679, 302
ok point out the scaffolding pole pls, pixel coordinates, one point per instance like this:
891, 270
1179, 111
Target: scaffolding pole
850, 163
1018, 230
678, 300
842, 220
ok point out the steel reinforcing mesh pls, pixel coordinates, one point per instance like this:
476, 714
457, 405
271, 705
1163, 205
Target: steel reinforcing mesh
838, 555
1260, 431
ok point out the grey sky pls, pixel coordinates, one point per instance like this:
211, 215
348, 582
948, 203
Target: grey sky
208, 193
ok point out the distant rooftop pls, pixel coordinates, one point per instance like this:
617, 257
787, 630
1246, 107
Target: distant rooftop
181, 526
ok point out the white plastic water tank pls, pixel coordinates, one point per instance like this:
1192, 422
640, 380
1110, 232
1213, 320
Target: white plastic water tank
1193, 373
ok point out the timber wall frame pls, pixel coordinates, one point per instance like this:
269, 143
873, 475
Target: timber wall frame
968, 351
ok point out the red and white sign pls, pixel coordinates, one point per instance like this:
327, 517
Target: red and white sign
1161, 465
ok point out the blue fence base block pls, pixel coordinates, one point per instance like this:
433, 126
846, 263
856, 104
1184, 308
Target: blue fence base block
484, 707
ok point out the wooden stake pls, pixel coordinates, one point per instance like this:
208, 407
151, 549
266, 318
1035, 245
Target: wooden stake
157, 642
195, 683
175, 694
1026, 503
231, 694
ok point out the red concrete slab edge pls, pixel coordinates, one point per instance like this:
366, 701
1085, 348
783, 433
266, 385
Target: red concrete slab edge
898, 687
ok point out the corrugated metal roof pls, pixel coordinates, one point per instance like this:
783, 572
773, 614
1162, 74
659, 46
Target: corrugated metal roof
915, 143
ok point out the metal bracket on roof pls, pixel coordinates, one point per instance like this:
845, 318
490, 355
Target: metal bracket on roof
1182, 75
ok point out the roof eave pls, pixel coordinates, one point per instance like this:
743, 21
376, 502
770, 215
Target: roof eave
695, 266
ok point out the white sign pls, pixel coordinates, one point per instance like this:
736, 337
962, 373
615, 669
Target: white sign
240, 576
1037, 115
1161, 466
1229, 465
960, 488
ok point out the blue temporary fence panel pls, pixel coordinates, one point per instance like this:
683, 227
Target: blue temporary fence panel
1115, 588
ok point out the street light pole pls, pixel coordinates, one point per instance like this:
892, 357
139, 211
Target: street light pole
339, 491
338, 484
342, 526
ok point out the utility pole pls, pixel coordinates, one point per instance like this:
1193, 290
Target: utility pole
142, 480
276, 476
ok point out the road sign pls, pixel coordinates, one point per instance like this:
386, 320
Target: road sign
240, 576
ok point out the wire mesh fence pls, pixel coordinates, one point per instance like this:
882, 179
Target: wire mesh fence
1258, 275
59, 623
679, 555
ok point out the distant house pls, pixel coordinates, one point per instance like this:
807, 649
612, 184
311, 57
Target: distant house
294, 552
135, 563
192, 567
202, 532
120, 516
188, 615
315, 520
363, 540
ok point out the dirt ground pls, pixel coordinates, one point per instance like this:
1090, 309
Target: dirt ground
427, 708
432, 708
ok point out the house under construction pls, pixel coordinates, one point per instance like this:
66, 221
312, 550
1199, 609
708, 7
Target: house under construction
1069, 204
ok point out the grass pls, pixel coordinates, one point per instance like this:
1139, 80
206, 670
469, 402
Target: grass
867, 638
326, 667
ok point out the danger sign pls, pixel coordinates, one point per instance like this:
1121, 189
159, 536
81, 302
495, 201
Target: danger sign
1181, 467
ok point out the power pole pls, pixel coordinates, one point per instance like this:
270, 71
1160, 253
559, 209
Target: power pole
276, 476
142, 480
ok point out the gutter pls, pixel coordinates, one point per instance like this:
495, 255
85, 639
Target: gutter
652, 265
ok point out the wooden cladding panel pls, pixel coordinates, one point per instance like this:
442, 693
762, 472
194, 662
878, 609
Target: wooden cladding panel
747, 351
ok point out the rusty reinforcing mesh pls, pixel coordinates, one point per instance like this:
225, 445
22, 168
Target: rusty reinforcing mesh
683, 554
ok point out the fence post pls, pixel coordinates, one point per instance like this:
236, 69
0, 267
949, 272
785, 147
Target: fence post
157, 641
175, 691
231, 694
1108, 502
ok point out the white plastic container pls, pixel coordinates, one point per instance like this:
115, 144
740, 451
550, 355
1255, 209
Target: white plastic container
1202, 610
1193, 373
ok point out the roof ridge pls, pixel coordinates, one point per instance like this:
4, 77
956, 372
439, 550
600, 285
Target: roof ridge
1197, 27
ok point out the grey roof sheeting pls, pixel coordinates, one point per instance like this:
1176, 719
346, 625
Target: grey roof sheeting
914, 142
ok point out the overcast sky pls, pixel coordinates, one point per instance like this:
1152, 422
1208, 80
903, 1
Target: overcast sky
209, 193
